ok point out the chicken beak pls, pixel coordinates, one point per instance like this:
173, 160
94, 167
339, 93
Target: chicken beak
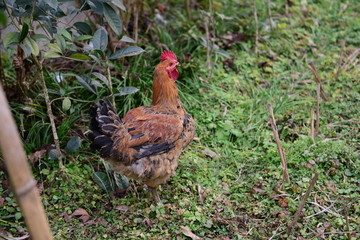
178, 64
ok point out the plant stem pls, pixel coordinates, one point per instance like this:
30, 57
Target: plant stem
108, 75
312, 128
302, 203
49, 110
187, 8
286, 177
347, 221
256, 28
270, 14
11, 16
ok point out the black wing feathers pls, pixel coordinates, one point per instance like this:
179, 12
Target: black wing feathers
152, 149
104, 123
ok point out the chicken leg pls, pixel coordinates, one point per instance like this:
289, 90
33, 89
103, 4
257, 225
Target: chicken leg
155, 194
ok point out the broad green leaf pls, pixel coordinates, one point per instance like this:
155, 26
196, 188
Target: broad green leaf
100, 39
83, 28
34, 46
53, 4
119, 4
103, 181
113, 19
40, 37
101, 77
121, 181
60, 40
18, 215
10, 38
96, 6
66, 104
26, 48
30, 47
79, 56
127, 39
87, 83
83, 37
51, 54
126, 91
127, 51
24, 32
65, 33
3, 19
73, 144
54, 47
53, 154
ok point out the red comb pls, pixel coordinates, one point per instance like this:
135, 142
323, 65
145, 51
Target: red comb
167, 54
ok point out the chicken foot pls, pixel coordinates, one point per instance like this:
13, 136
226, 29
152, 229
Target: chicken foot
156, 195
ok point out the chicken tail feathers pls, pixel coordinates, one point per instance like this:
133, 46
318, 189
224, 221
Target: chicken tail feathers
104, 122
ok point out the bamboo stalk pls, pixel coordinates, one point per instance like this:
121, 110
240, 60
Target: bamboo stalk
49, 111
286, 177
21, 178
302, 203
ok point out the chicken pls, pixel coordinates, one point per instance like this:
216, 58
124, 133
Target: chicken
146, 143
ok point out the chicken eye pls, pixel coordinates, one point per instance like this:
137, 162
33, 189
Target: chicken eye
171, 64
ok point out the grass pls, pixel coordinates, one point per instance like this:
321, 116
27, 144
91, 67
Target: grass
236, 194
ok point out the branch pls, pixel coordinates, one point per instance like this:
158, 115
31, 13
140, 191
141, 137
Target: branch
286, 177
302, 203
49, 110
312, 128
256, 28
318, 81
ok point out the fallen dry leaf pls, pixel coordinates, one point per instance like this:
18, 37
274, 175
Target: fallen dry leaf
186, 231
122, 208
283, 202
209, 153
37, 155
80, 212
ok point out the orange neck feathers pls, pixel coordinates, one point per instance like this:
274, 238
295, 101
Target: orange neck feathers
165, 91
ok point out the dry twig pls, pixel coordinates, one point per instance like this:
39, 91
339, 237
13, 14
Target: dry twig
347, 221
286, 177
256, 28
318, 81
39, 65
302, 203
312, 128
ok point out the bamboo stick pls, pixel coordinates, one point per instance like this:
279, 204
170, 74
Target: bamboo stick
22, 181
286, 177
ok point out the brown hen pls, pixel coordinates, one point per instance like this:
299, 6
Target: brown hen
147, 142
